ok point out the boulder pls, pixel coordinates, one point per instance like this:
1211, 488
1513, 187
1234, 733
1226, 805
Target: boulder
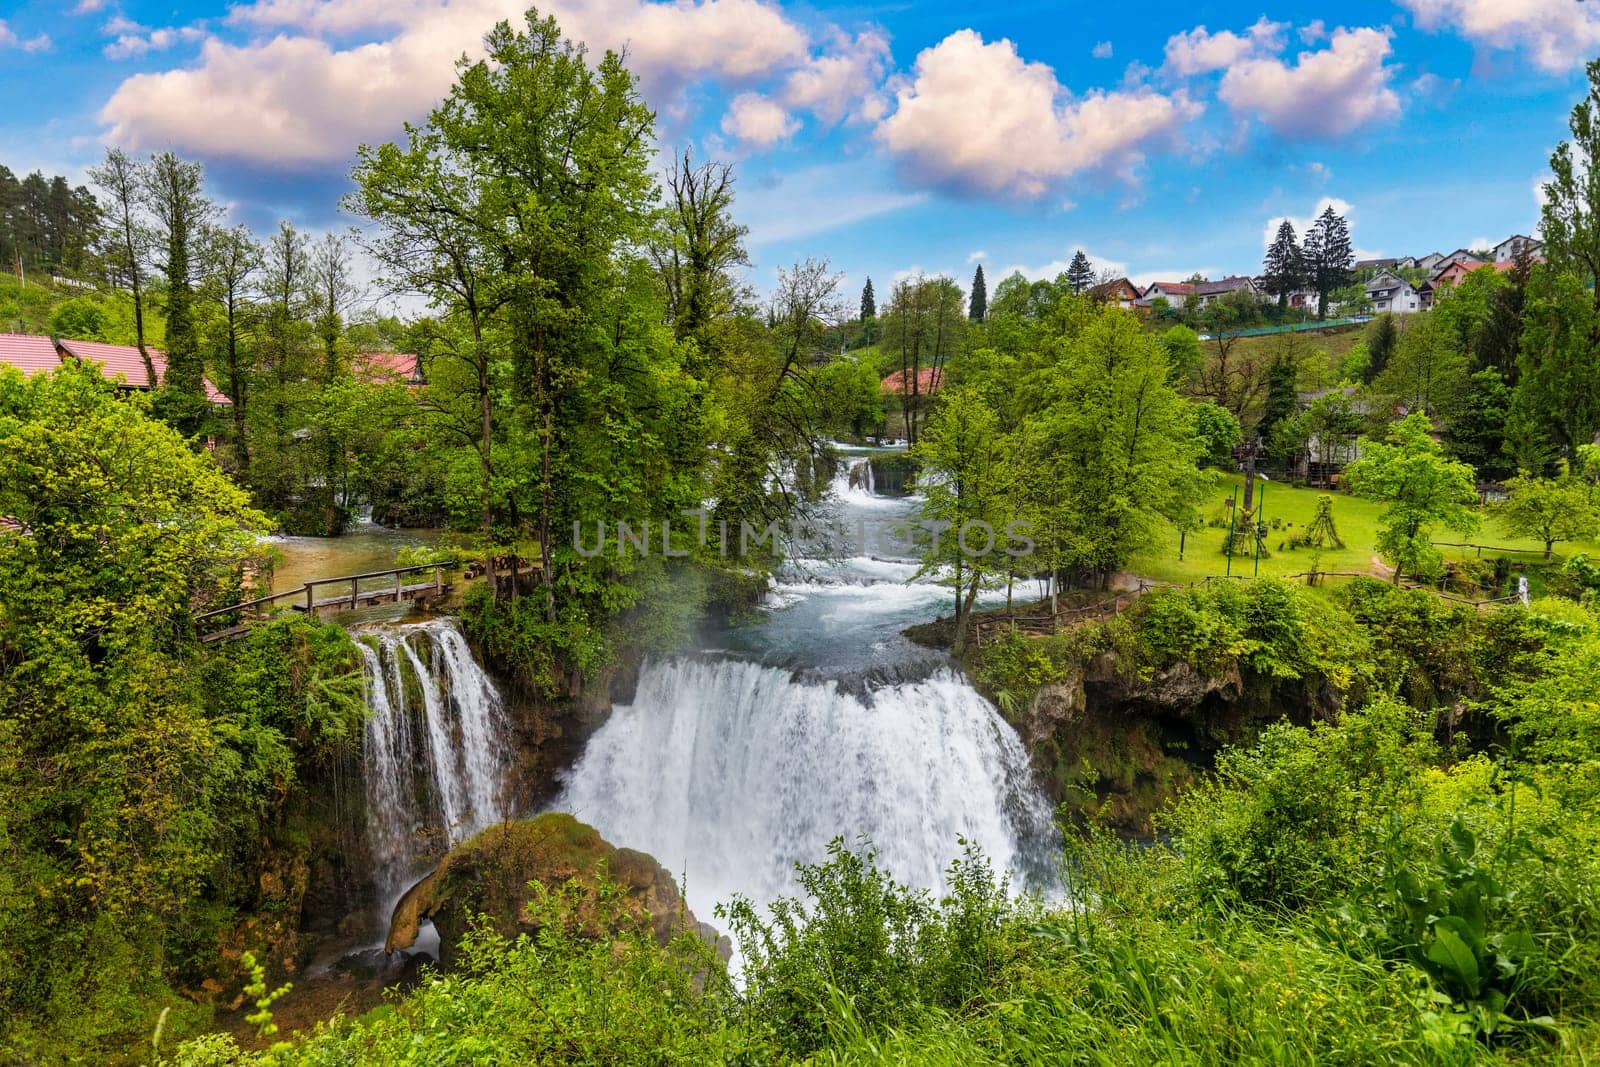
490, 875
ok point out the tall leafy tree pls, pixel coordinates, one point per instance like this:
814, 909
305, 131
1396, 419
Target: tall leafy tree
174, 197
1420, 489
699, 246
1569, 221
1080, 273
1557, 398
1477, 435
978, 301
1427, 373
122, 181
1284, 268
1328, 256
231, 259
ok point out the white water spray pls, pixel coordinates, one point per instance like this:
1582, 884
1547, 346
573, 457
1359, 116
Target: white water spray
730, 772
433, 768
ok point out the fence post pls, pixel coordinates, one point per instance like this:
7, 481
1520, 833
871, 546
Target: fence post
355, 598
399, 585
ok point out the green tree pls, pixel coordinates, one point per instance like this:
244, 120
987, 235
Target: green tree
699, 247
1382, 337
1557, 396
232, 259
1080, 273
1427, 372
1477, 435
80, 318
1569, 221
970, 499
978, 302
1283, 270
121, 179
1185, 356
173, 196
1217, 432
1421, 489
1550, 509
1328, 256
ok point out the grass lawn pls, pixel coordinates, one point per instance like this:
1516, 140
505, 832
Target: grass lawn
1355, 518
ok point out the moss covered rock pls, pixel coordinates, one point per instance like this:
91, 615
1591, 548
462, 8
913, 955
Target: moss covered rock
490, 875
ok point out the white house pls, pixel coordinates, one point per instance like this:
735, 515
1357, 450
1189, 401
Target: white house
1174, 292
1429, 261
1206, 292
1390, 292
1516, 245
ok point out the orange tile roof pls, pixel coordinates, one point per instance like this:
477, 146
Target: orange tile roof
378, 366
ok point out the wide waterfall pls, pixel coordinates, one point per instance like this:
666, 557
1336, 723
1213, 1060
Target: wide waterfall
435, 750
730, 772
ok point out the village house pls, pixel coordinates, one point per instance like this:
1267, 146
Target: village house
1119, 292
1390, 292
1517, 245
31, 354
1206, 292
379, 367
1175, 293
1364, 266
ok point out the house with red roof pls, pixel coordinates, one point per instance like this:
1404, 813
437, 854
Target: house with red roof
929, 380
379, 367
31, 354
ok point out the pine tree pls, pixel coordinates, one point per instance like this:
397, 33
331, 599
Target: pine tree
1080, 275
1328, 256
1283, 268
869, 304
978, 305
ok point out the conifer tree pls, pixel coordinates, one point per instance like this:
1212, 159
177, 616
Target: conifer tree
1080, 274
1283, 268
869, 304
978, 304
1328, 256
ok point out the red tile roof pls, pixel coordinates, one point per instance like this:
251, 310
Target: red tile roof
28, 353
929, 379
1175, 288
125, 360
381, 366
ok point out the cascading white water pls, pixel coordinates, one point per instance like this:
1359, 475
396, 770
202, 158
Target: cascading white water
853, 482
730, 772
433, 768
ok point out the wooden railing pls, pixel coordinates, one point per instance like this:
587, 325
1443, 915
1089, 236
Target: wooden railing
305, 598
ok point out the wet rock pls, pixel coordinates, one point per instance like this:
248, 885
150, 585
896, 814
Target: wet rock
490, 874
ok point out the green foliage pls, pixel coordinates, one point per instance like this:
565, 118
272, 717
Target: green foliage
1217, 431
1550, 509
1421, 488
859, 938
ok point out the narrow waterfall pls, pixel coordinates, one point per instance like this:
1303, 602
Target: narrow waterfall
853, 482
435, 751
730, 772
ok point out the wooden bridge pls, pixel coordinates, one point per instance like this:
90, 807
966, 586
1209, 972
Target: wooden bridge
328, 596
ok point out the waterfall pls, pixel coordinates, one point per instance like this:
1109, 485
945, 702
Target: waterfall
435, 749
730, 772
853, 482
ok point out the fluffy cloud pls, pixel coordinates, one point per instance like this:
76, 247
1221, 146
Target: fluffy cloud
298, 98
844, 81
1556, 34
133, 40
976, 118
88, 7
758, 121
1327, 93
9, 39
1198, 52
1101, 50
1301, 224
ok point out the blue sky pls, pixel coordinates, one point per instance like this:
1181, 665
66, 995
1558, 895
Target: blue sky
1163, 138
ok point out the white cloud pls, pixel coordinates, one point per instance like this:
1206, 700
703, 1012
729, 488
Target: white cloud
10, 39
973, 257
758, 121
1319, 171
88, 7
1327, 93
1312, 32
1539, 182
1049, 272
1198, 52
1556, 34
1101, 50
1303, 223
844, 81
135, 42
297, 98
976, 118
